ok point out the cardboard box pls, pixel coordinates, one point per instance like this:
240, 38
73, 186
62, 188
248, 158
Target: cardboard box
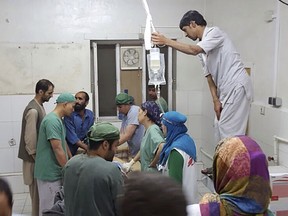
279, 186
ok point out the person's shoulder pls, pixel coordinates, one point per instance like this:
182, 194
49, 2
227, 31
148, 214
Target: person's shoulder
51, 117
163, 99
73, 114
32, 111
107, 167
75, 160
78, 157
115, 169
89, 112
213, 29
155, 127
134, 109
156, 133
112, 166
33, 101
108, 170
134, 106
31, 104
176, 155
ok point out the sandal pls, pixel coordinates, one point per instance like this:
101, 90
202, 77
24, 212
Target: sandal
207, 171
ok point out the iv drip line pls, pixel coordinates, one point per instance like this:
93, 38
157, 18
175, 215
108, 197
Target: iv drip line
156, 65
148, 14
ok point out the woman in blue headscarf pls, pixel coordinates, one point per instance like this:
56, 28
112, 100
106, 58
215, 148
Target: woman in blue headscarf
178, 155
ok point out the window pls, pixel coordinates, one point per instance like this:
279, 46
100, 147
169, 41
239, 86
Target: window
110, 75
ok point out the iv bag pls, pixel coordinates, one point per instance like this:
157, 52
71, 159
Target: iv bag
156, 73
155, 59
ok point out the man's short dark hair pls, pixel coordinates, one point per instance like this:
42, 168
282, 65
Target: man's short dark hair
94, 145
43, 85
152, 194
5, 188
153, 86
87, 98
190, 16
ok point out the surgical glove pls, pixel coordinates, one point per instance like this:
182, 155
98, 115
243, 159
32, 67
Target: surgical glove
127, 166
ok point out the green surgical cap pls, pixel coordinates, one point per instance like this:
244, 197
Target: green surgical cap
103, 131
122, 98
65, 98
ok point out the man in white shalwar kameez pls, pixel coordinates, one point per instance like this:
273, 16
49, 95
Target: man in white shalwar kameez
229, 83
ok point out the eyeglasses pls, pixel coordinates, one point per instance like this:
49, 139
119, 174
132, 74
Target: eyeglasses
168, 121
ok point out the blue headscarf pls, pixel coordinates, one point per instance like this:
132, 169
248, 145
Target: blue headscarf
176, 136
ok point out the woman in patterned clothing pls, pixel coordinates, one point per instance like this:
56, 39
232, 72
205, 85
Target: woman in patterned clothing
241, 181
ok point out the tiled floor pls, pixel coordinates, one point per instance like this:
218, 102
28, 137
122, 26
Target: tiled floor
22, 202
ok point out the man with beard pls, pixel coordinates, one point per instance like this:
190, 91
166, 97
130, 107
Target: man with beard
78, 124
161, 102
31, 120
92, 182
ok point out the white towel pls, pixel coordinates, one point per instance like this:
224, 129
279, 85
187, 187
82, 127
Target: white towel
149, 25
147, 33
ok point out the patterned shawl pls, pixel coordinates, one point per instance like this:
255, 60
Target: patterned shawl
241, 180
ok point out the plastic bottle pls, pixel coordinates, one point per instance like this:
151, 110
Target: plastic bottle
155, 59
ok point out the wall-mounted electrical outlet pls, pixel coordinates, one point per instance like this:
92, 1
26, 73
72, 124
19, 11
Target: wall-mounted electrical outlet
275, 101
262, 110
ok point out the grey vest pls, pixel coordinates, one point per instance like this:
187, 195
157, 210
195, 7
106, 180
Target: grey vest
22, 153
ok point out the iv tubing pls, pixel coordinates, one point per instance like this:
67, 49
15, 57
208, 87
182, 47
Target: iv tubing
157, 87
148, 14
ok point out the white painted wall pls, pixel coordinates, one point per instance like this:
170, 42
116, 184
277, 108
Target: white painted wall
41, 23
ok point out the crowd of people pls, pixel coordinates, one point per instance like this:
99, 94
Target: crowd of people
68, 149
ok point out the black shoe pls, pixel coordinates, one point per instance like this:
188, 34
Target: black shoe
207, 171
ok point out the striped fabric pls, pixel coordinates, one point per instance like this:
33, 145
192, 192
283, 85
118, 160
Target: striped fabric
241, 180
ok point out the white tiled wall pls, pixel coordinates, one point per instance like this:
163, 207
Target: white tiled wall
10, 128
182, 104
6, 133
190, 103
195, 102
7, 160
16, 183
263, 128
